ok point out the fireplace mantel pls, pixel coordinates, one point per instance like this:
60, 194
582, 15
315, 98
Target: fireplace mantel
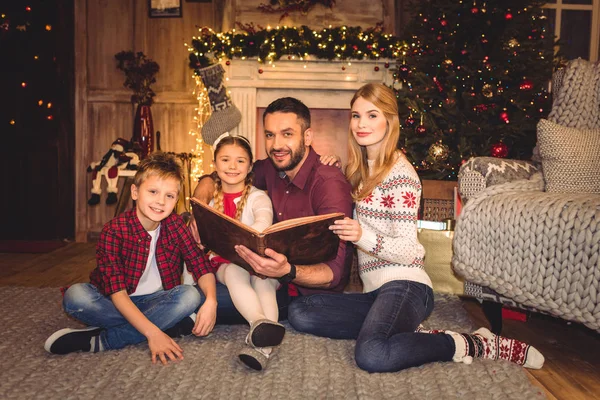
317, 83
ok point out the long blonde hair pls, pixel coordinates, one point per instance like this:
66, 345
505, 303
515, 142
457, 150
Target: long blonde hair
218, 195
357, 170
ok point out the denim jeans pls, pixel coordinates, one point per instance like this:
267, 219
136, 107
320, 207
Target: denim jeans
382, 322
164, 309
227, 313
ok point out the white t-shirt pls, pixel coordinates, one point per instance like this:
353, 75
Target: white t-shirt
150, 281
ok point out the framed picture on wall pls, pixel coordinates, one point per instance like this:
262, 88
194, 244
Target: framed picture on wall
164, 8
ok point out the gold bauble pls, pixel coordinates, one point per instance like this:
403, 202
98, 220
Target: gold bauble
487, 90
439, 152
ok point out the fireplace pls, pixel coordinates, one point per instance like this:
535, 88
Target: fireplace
326, 87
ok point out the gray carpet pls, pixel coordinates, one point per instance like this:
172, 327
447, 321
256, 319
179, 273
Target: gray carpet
304, 367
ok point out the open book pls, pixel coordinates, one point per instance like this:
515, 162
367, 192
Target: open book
305, 240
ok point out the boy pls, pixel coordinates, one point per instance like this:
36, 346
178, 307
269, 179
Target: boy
135, 292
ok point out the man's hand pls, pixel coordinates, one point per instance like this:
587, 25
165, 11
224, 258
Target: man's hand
274, 265
347, 229
162, 346
205, 320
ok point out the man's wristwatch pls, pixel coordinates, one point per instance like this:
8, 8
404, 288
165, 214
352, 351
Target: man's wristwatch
290, 276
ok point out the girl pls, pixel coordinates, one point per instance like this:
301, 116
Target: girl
252, 296
385, 319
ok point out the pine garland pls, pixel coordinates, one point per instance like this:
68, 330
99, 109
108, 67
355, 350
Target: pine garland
340, 43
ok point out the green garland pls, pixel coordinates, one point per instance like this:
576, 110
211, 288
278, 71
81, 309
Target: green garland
341, 43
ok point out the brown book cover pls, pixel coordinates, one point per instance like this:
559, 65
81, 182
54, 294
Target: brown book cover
305, 240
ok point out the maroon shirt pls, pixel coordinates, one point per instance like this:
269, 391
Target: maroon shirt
123, 249
316, 189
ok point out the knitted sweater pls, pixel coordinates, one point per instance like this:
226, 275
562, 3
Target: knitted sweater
388, 249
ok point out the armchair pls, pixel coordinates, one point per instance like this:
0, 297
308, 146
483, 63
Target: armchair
527, 236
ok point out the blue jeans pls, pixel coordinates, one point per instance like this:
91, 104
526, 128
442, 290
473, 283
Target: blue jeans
164, 309
382, 322
227, 314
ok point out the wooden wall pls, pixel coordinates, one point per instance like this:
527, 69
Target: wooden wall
103, 111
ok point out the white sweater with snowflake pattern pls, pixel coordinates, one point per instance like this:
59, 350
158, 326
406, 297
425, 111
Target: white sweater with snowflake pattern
388, 249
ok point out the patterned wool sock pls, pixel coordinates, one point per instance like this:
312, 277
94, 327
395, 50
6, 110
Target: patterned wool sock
484, 344
422, 329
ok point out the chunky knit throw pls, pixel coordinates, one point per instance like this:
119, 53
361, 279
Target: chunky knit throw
540, 249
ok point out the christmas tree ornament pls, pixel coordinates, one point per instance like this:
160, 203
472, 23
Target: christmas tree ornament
499, 150
504, 117
225, 115
260, 71
513, 42
420, 130
343, 68
410, 121
376, 68
387, 64
403, 70
438, 152
487, 90
508, 16
227, 62
443, 22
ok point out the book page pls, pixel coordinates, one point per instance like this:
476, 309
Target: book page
299, 221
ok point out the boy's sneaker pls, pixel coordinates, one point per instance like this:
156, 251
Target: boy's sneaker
265, 333
255, 358
182, 328
70, 340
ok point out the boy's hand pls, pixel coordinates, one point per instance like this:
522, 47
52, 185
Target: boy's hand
162, 346
206, 317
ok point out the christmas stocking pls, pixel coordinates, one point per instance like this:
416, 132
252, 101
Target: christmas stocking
225, 116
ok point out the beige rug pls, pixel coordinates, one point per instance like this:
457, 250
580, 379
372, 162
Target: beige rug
305, 367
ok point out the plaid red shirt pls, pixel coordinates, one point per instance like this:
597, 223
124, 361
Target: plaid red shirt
123, 249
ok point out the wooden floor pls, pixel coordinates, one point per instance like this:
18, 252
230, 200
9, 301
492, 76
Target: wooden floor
572, 352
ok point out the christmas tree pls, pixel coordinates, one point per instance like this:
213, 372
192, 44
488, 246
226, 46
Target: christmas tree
29, 74
473, 82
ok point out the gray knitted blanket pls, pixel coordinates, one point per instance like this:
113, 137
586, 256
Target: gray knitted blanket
305, 367
539, 249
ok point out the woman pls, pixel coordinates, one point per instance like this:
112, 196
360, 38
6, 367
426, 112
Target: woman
385, 319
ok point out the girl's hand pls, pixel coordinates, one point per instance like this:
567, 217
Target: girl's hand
331, 160
206, 318
164, 348
347, 229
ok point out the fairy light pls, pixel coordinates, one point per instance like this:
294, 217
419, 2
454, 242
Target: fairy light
203, 111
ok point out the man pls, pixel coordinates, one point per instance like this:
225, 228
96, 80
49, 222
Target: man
299, 186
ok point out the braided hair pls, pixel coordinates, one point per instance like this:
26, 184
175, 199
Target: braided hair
218, 194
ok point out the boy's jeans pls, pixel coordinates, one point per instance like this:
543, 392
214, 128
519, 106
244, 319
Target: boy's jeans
164, 309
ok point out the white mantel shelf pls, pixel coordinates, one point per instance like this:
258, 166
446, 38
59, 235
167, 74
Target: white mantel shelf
317, 83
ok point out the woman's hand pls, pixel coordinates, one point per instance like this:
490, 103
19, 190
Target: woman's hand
163, 348
332, 160
347, 229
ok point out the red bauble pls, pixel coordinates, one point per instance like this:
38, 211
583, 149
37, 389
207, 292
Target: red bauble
404, 70
410, 121
227, 62
443, 22
343, 68
260, 71
508, 16
499, 150
420, 129
387, 65
289, 57
376, 68
474, 10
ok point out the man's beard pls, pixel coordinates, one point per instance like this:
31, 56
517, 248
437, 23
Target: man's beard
296, 157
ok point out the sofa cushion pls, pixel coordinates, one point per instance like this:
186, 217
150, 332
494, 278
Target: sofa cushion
570, 158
